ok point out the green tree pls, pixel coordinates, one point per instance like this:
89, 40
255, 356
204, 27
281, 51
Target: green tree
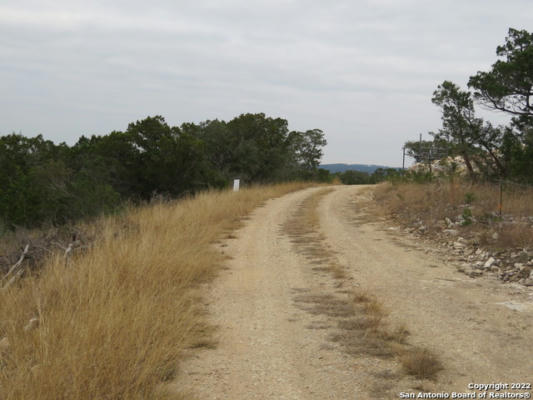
517, 153
113, 158
259, 147
351, 177
490, 139
382, 174
508, 85
307, 148
22, 198
44, 182
427, 150
460, 126
218, 147
169, 161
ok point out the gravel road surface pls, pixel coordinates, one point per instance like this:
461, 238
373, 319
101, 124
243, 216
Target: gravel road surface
271, 346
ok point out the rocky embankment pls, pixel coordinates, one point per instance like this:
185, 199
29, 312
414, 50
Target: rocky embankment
461, 240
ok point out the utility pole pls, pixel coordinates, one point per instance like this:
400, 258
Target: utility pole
403, 159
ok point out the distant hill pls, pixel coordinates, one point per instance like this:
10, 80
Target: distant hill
355, 167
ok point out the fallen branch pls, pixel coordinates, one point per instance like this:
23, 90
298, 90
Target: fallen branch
14, 278
18, 263
69, 248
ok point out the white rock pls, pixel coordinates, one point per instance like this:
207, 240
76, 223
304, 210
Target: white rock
495, 236
451, 232
489, 262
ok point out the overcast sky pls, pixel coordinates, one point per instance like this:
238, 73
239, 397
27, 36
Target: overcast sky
363, 71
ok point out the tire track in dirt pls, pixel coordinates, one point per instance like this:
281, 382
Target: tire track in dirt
266, 349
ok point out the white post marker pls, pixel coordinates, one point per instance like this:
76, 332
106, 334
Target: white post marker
236, 183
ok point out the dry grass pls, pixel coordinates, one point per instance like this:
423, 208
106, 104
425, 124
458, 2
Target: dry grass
115, 322
303, 229
421, 363
432, 203
362, 330
366, 331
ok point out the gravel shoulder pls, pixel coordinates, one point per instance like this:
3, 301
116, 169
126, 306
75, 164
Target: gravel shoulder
269, 346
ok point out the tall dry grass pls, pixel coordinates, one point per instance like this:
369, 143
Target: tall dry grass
443, 199
431, 203
114, 322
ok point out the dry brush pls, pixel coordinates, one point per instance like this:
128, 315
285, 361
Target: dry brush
114, 321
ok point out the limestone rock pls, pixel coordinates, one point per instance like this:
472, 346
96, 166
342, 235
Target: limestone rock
479, 264
489, 263
475, 273
451, 232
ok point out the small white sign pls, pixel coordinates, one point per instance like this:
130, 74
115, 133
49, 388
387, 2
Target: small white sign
236, 183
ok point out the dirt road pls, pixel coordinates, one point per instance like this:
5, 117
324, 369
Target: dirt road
274, 345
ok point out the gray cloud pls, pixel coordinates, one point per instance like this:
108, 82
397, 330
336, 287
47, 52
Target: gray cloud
363, 71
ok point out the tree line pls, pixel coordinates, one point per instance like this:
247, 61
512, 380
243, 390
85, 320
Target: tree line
489, 152
43, 182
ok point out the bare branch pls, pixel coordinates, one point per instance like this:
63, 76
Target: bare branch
18, 263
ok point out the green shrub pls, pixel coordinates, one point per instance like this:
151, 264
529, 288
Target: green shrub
469, 197
467, 216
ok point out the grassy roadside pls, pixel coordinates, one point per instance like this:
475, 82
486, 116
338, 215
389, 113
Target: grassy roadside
113, 323
472, 209
465, 219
